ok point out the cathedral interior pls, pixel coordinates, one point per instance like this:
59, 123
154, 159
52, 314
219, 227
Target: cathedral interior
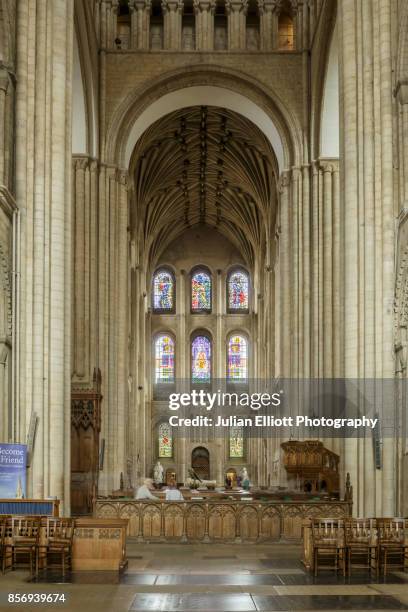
197, 193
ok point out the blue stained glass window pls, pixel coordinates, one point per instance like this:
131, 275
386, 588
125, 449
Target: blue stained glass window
201, 359
163, 290
238, 291
201, 291
237, 365
165, 440
164, 359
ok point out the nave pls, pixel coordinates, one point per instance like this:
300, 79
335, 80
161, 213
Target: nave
221, 578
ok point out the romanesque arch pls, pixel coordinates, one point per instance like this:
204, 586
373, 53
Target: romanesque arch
204, 86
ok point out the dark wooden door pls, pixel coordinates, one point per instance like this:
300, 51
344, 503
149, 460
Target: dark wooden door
85, 428
200, 462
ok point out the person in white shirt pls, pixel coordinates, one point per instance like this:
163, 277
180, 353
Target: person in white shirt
172, 493
144, 492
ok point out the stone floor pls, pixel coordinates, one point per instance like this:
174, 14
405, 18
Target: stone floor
210, 578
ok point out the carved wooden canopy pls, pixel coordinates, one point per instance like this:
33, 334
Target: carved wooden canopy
86, 405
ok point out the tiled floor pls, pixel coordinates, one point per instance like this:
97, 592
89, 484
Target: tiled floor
211, 578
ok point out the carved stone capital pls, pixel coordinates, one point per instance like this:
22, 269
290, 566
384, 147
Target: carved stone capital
288, 6
81, 163
236, 6
266, 6
204, 6
296, 5
284, 180
140, 5
122, 176
172, 6
326, 167
114, 4
93, 165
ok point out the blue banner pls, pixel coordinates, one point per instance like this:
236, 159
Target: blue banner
13, 463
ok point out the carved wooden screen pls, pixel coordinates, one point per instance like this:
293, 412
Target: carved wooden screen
85, 428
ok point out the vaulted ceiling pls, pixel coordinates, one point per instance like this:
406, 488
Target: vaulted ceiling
204, 165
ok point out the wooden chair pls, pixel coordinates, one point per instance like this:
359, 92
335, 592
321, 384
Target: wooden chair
392, 546
361, 544
7, 560
57, 544
3, 544
328, 543
25, 534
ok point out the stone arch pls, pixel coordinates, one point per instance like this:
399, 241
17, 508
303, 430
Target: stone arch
330, 118
85, 85
325, 51
204, 85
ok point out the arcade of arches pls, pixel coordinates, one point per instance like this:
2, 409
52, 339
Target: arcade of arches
198, 191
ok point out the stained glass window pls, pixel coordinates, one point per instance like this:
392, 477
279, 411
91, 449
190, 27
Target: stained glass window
201, 291
237, 358
238, 290
236, 445
201, 359
164, 357
163, 291
165, 440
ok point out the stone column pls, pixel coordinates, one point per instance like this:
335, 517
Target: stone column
236, 11
4, 84
43, 192
113, 324
306, 273
7, 305
80, 267
299, 23
112, 22
108, 21
110, 247
297, 16
285, 283
121, 322
172, 13
367, 201
327, 264
219, 345
295, 255
204, 24
266, 17
182, 359
140, 24
85, 223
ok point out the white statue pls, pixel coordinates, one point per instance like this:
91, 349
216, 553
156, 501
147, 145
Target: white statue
245, 479
244, 474
158, 473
